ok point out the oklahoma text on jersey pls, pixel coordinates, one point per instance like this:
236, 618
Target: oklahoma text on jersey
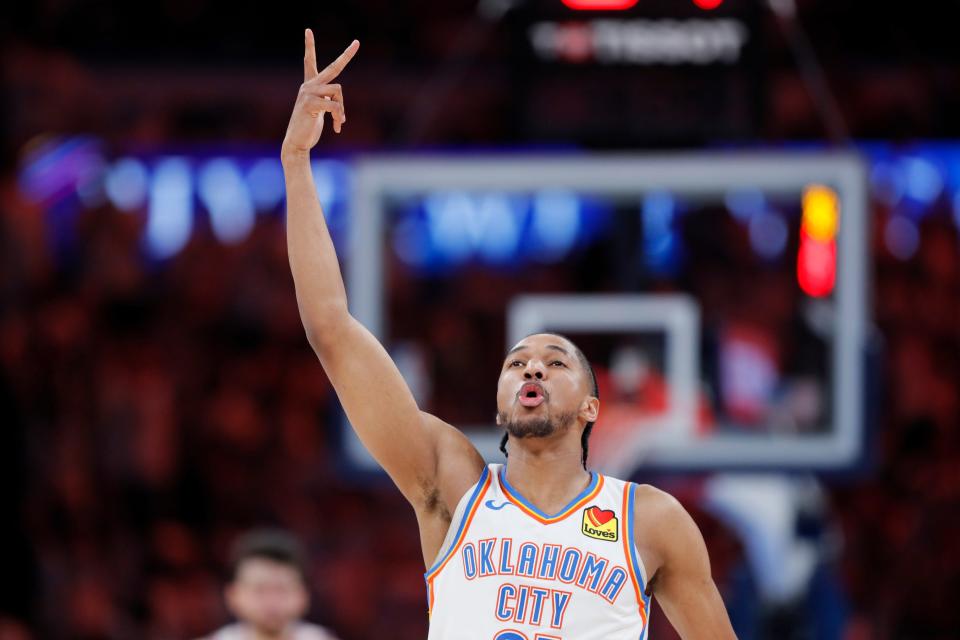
507, 571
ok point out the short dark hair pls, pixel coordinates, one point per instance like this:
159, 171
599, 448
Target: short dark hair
276, 545
594, 390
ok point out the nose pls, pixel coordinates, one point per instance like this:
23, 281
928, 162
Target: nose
533, 370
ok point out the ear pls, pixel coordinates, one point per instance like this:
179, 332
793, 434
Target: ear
230, 597
303, 604
590, 409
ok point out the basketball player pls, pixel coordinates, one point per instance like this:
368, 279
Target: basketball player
539, 548
268, 590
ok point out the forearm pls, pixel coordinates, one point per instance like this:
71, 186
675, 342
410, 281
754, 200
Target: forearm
313, 259
696, 610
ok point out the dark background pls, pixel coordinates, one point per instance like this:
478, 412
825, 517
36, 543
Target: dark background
151, 412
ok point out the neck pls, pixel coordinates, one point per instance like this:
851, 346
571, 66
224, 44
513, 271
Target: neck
259, 634
547, 472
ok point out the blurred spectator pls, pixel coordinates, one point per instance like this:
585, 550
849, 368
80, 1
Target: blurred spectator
268, 591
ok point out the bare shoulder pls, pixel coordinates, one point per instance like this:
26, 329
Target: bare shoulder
650, 497
453, 444
663, 528
658, 509
459, 464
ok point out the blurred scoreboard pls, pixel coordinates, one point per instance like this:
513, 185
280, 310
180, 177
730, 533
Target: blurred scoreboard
622, 72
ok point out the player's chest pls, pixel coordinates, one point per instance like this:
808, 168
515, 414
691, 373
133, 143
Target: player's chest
584, 549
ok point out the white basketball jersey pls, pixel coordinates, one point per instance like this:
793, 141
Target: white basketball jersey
299, 631
508, 571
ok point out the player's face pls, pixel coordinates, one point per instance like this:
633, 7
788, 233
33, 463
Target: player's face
542, 387
267, 595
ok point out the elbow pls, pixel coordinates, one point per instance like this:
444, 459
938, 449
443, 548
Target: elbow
324, 324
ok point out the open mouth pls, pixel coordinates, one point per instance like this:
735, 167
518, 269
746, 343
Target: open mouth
531, 395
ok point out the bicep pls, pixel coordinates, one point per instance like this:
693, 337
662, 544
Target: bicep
431, 462
684, 586
380, 407
459, 464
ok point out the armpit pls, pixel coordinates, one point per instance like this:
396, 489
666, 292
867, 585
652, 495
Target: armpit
435, 506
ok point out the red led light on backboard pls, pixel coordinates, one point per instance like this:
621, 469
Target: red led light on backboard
600, 5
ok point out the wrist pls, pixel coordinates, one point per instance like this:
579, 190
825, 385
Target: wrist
291, 155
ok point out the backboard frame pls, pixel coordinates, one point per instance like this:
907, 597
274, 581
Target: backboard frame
694, 174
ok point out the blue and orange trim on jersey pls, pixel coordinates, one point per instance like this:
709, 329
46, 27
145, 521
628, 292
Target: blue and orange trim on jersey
475, 500
588, 494
630, 549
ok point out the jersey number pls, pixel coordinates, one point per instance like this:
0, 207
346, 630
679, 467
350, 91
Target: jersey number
510, 634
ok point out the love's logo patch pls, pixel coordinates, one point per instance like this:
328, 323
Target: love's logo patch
600, 524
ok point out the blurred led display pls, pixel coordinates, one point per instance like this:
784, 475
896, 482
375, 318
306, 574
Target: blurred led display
230, 191
690, 67
817, 256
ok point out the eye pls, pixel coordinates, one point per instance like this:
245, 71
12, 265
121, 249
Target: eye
515, 363
557, 362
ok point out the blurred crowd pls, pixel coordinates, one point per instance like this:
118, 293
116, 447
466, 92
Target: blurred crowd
149, 417
900, 562
151, 413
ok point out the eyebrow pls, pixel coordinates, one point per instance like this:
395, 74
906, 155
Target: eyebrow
555, 347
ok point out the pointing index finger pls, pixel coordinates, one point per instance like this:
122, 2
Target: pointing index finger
336, 67
309, 56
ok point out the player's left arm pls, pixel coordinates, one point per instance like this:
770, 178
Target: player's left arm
682, 583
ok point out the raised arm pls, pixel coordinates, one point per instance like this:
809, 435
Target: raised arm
408, 444
682, 581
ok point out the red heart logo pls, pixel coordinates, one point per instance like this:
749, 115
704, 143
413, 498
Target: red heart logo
599, 516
